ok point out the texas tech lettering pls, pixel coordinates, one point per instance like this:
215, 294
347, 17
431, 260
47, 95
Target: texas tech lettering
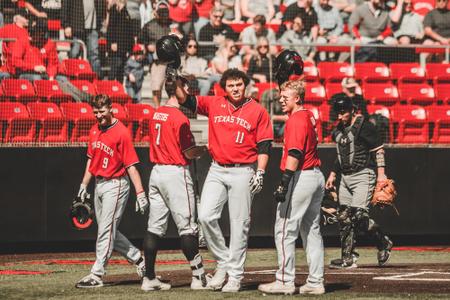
103, 147
158, 116
235, 120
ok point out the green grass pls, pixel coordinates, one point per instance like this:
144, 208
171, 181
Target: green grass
60, 285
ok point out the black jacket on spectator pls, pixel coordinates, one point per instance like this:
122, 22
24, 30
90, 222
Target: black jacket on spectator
309, 18
207, 34
72, 14
264, 68
120, 30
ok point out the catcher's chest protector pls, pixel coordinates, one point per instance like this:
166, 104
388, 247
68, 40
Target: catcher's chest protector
353, 155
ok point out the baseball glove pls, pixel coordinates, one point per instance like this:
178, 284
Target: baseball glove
81, 213
384, 194
329, 208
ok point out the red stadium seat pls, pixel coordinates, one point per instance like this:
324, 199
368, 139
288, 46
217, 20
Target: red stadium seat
315, 93
438, 72
440, 116
334, 71
53, 126
78, 69
407, 72
19, 127
372, 72
18, 90
54, 25
141, 114
316, 113
49, 90
333, 88
417, 93
120, 113
310, 71
412, 122
443, 92
82, 119
85, 86
114, 90
218, 91
380, 93
262, 87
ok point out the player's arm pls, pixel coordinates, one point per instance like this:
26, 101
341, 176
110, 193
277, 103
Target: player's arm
195, 152
141, 199
291, 165
82, 192
379, 159
181, 93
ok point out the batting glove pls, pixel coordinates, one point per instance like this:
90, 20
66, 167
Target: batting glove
256, 183
82, 192
142, 203
282, 189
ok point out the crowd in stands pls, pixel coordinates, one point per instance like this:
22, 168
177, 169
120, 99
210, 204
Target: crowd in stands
218, 34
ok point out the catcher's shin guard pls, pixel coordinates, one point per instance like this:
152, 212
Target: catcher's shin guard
361, 220
347, 232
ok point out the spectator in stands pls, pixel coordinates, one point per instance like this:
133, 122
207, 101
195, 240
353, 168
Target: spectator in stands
52, 8
82, 20
350, 88
250, 35
18, 31
304, 9
134, 72
298, 39
232, 10
260, 68
8, 9
180, 11
119, 37
437, 24
370, 24
407, 25
34, 7
37, 59
346, 7
252, 8
195, 68
331, 28
133, 8
202, 8
213, 32
153, 31
145, 12
227, 57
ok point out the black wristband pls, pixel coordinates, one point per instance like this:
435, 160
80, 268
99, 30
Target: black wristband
286, 177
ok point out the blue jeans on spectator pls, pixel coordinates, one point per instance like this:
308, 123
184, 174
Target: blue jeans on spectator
206, 84
133, 89
92, 49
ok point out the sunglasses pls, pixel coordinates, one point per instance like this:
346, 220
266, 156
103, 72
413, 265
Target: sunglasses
192, 46
263, 46
441, 1
217, 16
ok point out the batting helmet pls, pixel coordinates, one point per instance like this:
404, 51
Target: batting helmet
343, 103
169, 49
81, 213
287, 63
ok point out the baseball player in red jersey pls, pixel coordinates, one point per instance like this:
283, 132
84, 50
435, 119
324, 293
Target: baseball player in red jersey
299, 195
111, 161
171, 191
240, 136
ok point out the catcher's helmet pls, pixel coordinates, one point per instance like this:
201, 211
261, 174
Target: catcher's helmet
287, 63
169, 49
343, 103
81, 213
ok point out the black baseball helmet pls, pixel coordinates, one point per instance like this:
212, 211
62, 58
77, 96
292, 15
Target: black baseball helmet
169, 49
343, 103
81, 214
287, 63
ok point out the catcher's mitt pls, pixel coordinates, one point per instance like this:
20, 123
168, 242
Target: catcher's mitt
81, 213
384, 194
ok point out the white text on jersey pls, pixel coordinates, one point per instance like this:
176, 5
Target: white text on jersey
103, 147
231, 119
158, 116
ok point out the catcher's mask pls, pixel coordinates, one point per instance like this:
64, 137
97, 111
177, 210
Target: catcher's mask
169, 49
343, 104
81, 213
287, 63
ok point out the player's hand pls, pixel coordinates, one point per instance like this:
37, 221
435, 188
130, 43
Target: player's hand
142, 203
256, 183
68, 32
329, 185
82, 192
280, 193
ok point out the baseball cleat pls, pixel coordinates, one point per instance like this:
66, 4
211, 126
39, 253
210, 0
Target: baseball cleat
232, 286
313, 290
89, 281
154, 285
277, 287
217, 281
140, 267
339, 263
201, 283
385, 253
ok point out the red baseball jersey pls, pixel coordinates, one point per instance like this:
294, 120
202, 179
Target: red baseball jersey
170, 136
234, 131
111, 151
300, 134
